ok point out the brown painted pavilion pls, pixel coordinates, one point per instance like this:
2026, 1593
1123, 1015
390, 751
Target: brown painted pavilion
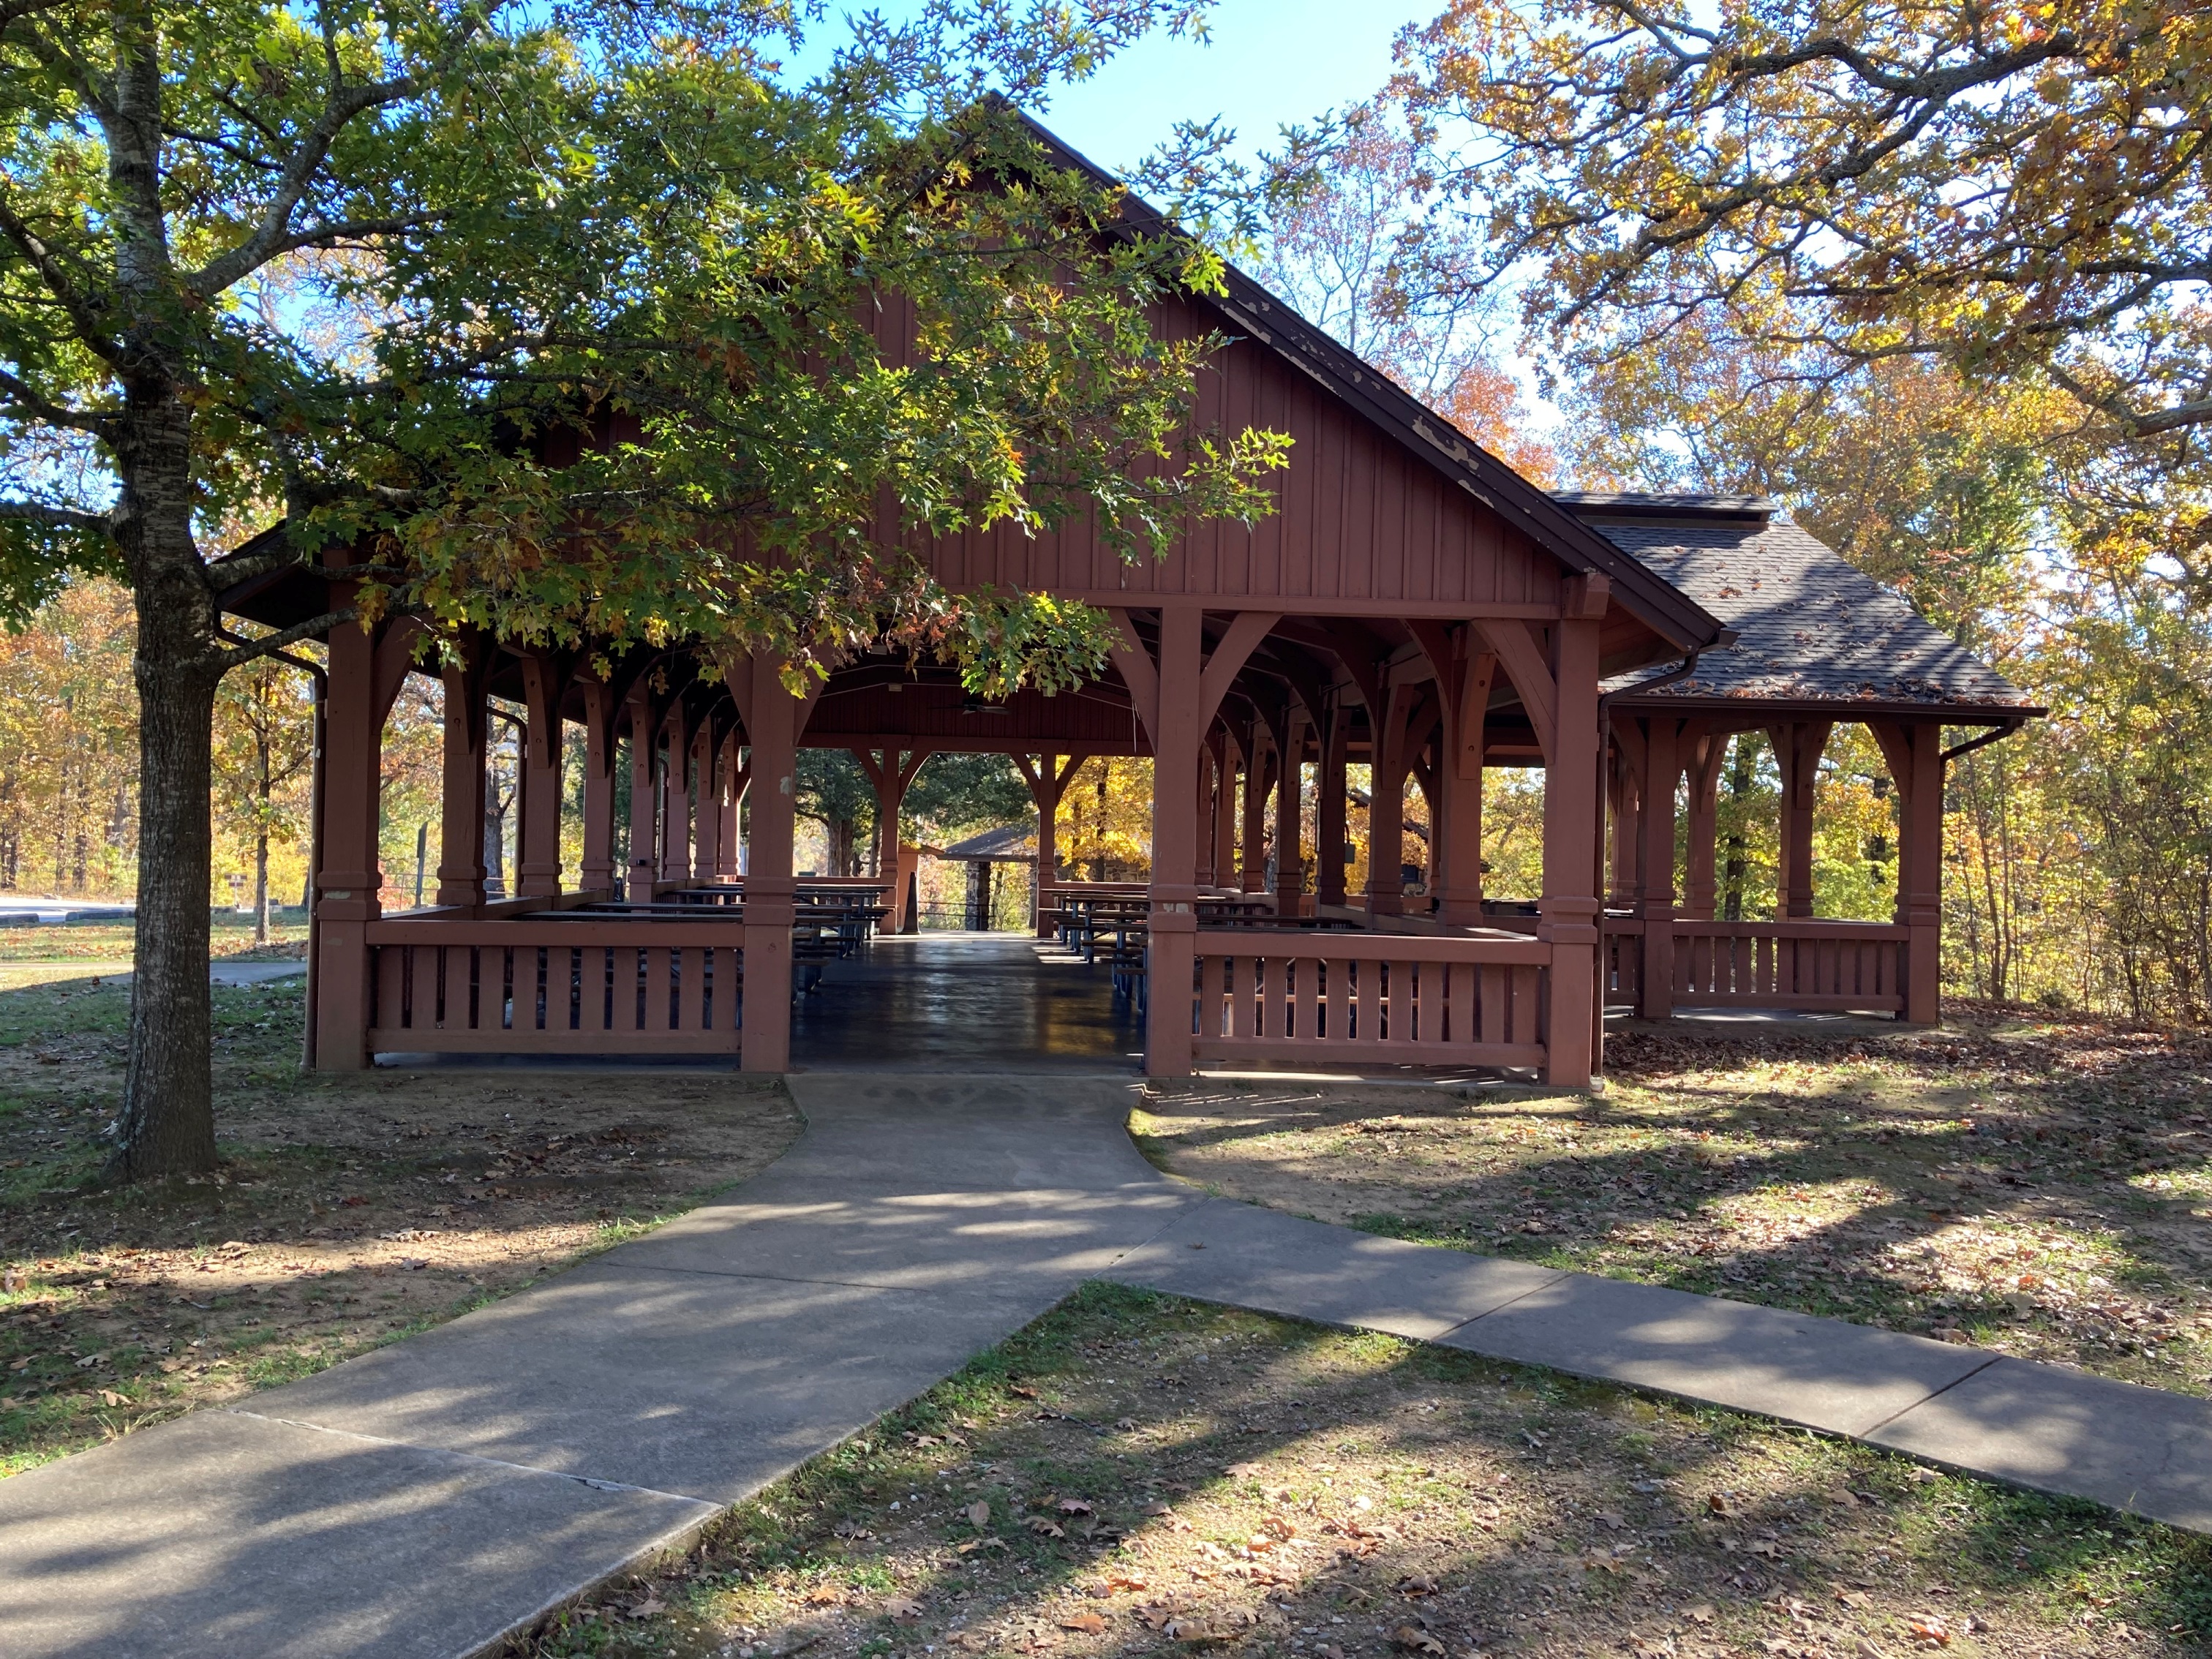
1414, 605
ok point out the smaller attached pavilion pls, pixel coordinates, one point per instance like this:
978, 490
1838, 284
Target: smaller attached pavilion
1818, 643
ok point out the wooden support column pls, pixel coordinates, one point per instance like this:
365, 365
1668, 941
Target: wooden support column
1798, 748
705, 803
1047, 781
735, 776
1329, 799
1176, 697
1232, 766
1914, 750
596, 874
1208, 799
1460, 834
1252, 865
1290, 790
348, 886
676, 794
1703, 751
1386, 808
1569, 907
1623, 802
773, 720
1662, 768
892, 772
461, 814
538, 833
1171, 948
644, 848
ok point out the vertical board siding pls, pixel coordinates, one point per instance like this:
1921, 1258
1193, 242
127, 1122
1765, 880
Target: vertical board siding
1360, 519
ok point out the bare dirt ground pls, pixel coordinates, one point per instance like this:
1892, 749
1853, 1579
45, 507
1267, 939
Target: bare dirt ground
349, 1211
2037, 1186
1136, 1475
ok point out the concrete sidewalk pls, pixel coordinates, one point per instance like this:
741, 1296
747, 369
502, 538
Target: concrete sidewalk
433, 1497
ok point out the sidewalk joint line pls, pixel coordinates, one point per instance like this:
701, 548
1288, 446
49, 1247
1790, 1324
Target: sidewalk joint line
592, 1480
1873, 1429
1557, 1273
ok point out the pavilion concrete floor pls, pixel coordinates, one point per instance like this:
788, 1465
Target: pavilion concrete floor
436, 1496
970, 1003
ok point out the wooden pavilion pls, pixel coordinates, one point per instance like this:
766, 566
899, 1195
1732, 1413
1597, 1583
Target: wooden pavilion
1414, 606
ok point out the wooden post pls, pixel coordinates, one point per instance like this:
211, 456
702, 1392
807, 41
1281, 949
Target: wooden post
1798, 748
736, 776
1569, 907
773, 718
1623, 802
461, 813
537, 834
676, 794
1252, 867
1172, 946
1233, 766
1704, 750
348, 886
1655, 902
1461, 832
1211, 783
1914, 750
644, 851
597, 872
1329, 807
1386, 806
705, 803
1289, 789
1047, 781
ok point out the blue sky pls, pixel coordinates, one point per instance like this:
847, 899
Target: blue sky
1268, 63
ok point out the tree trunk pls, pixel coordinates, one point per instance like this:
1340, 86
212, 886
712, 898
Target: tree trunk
261, 839
168, 1122
168, 1115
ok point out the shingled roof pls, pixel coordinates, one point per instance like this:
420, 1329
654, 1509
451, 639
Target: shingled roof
1811, 627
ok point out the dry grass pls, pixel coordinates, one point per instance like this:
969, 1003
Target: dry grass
2043, 1189
349, 1211
1138, 1475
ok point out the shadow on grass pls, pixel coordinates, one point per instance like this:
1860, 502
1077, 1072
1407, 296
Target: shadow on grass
1511, 1506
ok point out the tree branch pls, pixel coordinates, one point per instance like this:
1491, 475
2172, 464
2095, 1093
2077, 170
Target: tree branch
270, 644
61, 282
56, 517
32, 403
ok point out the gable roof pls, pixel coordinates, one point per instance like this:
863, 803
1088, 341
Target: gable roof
1810, 626
1248, 310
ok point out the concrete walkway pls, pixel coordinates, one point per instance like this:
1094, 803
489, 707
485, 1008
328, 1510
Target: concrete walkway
433, 1497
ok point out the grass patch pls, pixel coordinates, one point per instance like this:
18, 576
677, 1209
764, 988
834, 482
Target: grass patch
1136, 1474
2034, 1186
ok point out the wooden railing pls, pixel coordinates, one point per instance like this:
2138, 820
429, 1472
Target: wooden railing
585, 986
1828, 966
1340, 998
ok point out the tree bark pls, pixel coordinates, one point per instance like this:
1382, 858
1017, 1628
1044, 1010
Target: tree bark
167, 1123
168, 1115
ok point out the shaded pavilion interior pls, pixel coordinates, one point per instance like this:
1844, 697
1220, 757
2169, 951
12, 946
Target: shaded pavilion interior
1413, 606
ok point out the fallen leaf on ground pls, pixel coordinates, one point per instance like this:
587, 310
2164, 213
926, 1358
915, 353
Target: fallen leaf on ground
1700, 1614
647, 1608
905, 1611
1088, 1623
1415, 1641
979, 1515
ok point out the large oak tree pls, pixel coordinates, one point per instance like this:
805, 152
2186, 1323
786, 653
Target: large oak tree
366, 268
